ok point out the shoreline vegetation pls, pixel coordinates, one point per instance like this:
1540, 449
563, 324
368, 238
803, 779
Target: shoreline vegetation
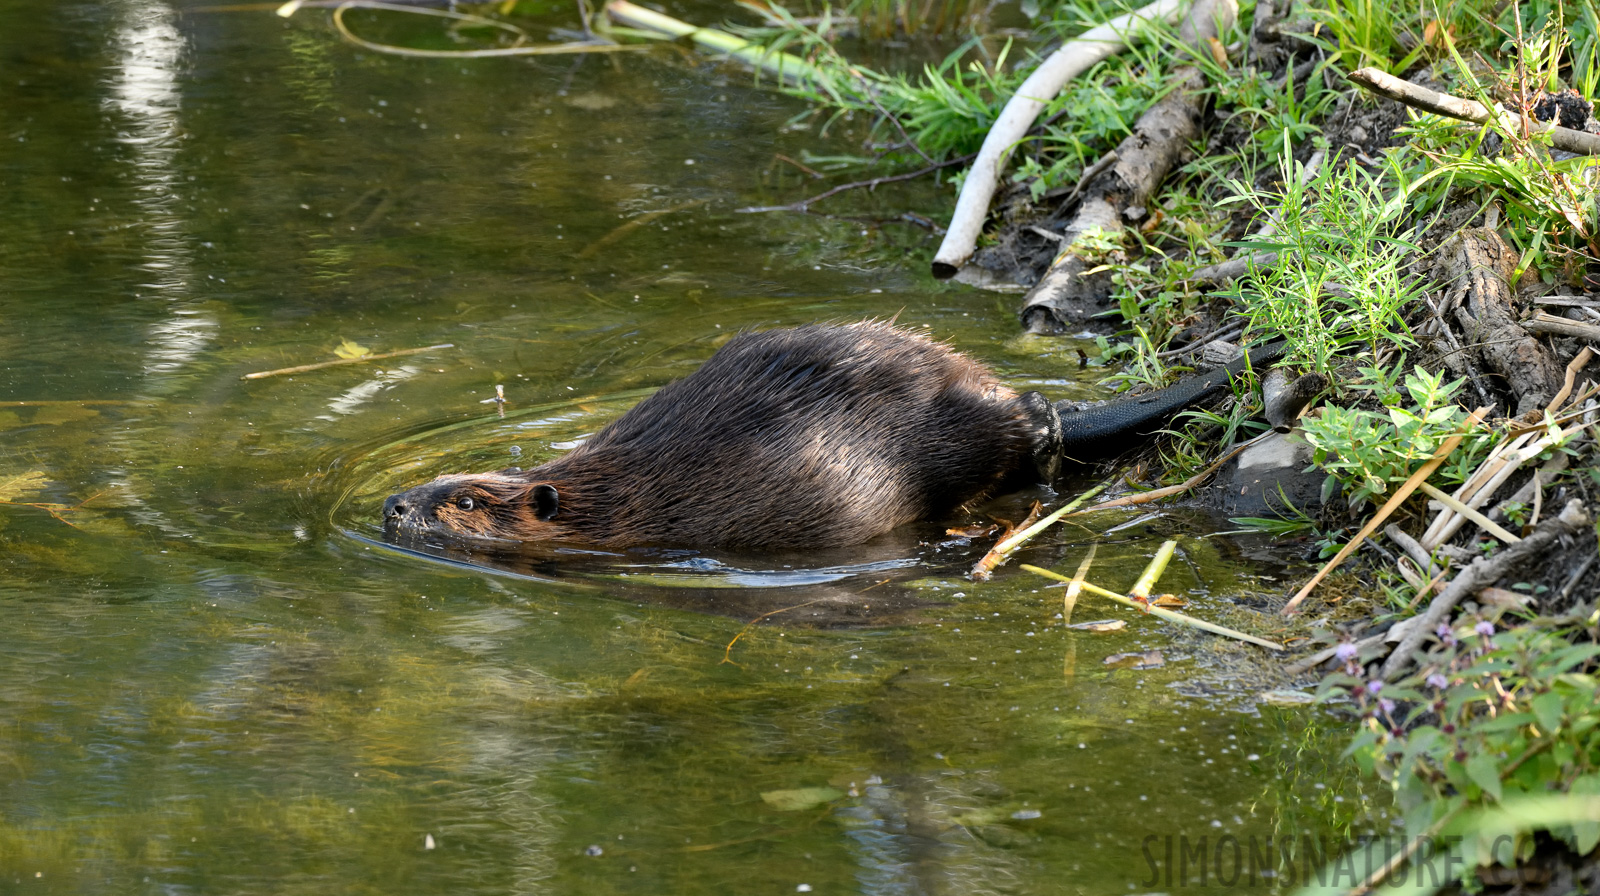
1409, 195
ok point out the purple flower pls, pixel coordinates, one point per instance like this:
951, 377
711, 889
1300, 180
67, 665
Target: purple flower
1446, 637
1386, 705
1438, 681
1345, 652
1374, 686
1484, 628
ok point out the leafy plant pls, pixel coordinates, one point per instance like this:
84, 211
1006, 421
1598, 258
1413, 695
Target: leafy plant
1494, 718
1338, 279
1367, 451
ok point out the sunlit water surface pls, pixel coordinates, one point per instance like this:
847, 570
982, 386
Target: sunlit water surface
216, 678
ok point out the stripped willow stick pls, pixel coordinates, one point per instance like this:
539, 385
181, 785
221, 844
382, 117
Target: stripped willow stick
1489, 475
1162, 612
1005, 546
1069, 599
1469, 513
1158, 565
344, 361
1074, 58
783, 65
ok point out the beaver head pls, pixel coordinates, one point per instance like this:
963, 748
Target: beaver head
483, 505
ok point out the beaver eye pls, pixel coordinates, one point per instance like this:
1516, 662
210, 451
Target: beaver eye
465, 504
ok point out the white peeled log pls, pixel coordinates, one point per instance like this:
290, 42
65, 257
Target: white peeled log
1074, 58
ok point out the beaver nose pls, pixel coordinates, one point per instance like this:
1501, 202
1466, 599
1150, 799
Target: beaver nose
394, 508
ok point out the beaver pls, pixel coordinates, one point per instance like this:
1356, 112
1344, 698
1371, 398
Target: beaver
817, 436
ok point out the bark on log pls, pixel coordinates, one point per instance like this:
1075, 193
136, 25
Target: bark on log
1067, 295
1480, 264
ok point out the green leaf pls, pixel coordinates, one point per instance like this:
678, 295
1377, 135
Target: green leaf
1547, 708
1484, 770
350, 350
1418, 742
1510, 721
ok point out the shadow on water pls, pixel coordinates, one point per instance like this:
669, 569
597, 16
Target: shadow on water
853, 592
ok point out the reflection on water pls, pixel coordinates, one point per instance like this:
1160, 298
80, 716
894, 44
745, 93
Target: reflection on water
144, 102
215, 676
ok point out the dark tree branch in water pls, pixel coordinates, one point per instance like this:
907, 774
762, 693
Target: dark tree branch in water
803, 205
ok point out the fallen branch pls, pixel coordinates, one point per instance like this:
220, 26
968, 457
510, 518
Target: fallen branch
802, 204
1073, 58
1418, 97
1482, 573
1073, 291
1224, 272
1161, 612
341, 362
1560, 326
1389, 507
1479, 268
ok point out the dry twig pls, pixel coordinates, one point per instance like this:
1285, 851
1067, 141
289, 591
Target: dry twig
1482, 573
341, 362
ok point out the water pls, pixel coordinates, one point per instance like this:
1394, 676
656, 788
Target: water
215, 678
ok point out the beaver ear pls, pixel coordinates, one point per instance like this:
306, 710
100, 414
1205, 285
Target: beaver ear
546, 501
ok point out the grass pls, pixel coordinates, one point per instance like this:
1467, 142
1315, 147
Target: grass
1341, 279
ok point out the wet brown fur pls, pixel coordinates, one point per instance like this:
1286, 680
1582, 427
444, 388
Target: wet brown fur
809, 437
